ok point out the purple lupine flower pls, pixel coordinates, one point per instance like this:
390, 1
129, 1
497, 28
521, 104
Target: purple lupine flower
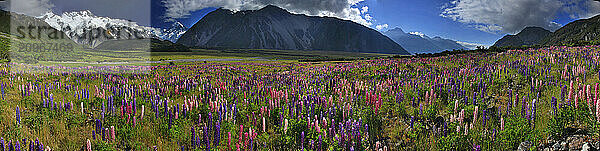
302, 140
170, 119
475, 98
476, 147
98, 126
17, 146
193, 135
18, 115
483, 117
499, 111
412, 121
510, 94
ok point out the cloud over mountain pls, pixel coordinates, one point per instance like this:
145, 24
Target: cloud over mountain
345, 9
29, 7
510, 16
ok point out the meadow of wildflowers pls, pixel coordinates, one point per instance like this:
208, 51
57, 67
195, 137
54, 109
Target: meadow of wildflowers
471, 101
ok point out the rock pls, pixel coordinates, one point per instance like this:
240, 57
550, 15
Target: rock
524, 146
560, 146
575, 142
588, 147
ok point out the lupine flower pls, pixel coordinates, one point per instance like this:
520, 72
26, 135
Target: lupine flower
483, 117
302, 140
263, 125
112, 133
501, 123
412, 120
285, 126
228, 139
18, 115
142, 115
89, 145
475, 115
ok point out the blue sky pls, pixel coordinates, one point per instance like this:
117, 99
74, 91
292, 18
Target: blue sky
473, 21
424, 16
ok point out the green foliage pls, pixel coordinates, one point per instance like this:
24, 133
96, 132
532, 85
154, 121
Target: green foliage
516, 130
571, 117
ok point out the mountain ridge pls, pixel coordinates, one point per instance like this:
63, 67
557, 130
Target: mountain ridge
579, 30
421, 43
272, 27
528, 36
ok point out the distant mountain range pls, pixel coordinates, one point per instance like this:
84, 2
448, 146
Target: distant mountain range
270, 28
88, 29
172, 33
419, 43
579, 30
26, 27
275, 28
528, 36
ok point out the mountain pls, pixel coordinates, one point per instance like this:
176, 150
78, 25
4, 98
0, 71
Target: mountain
27, 39
447, 44
26, 27
274, 28
419, 43
88, 29
579, 30
172, 33
527, 36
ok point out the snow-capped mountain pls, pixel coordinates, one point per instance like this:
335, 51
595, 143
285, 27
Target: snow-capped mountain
172, 33
417, 42
86, 28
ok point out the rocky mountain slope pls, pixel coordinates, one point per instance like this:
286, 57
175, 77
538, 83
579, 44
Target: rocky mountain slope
275, 28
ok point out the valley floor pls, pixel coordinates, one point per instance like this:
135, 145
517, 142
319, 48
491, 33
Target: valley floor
529, 99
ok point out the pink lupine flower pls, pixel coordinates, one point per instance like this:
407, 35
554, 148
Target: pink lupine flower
475, 115
461, 116
142, 115
571, 90
501, 123
112, 133
264, 125
89, 145
598, 110
285, 126
455, 106
576, 101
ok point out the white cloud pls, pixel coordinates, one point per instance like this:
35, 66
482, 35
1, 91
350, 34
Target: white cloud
582, 9
364, 9
31, 7
470, 46
380, 27
417, 33
344, 9
368, 17
511, 16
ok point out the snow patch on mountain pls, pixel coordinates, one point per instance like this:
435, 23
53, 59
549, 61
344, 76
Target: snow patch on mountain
86, 28
172, 33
